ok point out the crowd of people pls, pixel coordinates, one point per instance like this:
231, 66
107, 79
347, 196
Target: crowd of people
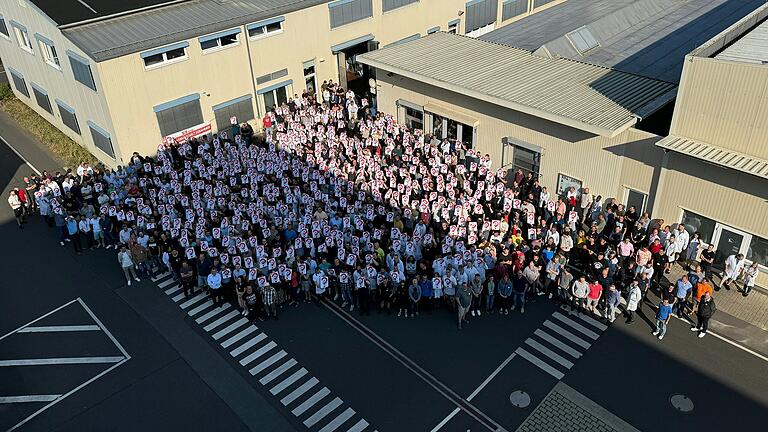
338, 202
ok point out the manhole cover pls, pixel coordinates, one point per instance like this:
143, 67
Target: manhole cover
520, 399
681, 403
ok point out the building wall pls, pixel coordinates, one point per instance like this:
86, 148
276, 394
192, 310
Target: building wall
59, 84
605, 165
725, 104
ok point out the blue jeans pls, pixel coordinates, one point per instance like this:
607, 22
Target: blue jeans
518, 299
489, 301
661, 327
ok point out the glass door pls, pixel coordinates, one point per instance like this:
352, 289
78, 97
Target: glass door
729, 241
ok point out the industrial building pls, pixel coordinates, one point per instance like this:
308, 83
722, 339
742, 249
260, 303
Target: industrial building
574, 117
120, 76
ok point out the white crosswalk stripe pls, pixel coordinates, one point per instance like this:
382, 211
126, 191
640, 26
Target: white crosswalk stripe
566, 335
160, 276
270, 364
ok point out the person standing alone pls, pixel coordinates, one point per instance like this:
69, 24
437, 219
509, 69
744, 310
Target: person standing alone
703, 314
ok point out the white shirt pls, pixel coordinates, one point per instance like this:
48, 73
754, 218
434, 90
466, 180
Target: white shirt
733, 266
84, 226
681, 241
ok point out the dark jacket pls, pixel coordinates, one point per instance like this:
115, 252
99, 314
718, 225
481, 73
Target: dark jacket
706, 308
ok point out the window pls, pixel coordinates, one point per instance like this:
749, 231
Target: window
524, 156
41, 96
583, 40
539, 3
81, 70
240, 108
388, 5
513, 8
453, 26
758, 251
179, 114
50, 55
214, 42
414, 118
637, 199
4, 28
348, 11
165, 55
101, 139
275, 95
19, 83
68, 116
22, 37
271, 76
310, 80
433, 30
479, 14
266, 28
694, 222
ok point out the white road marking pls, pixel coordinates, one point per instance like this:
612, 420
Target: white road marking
63, 328
299, 391
160, 276
549, 353
211, 314
242, 348
21, 157
28, 398
258, 353
338, 421
221, 320
178, 297
237, 337
362, 424
322, 412
38, 318
197, 309
268, 378
60, 361
315, 398
230, 328
284, 384
575, 325
165, 283
538, 362
588, 319
193, 300
568, 335
172, 290
267, 363
556, 342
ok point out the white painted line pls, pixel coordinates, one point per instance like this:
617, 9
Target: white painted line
556, 342
160, 276
104, 328
299, 391
197, 309
284, 384
20, 156
588, 319
165, 283
53, 329
38, 318
323, 412
258, 353
267, 363
211, 314
338, 421
726, 340
268, 378
362, 424
178, 297
193, 300
549, 353
60, 361
575, 325
221, 320
88, 6
445, 420
237, 337
315, 398
538, 362
172, 290
230, 328
28, 398
491, 376
242, 348
568, 335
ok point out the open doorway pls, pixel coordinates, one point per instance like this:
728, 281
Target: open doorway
353, 75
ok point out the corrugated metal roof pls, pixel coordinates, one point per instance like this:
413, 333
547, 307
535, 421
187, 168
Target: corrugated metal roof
648, 37
751, 47
584, 96
133, 33
716, 155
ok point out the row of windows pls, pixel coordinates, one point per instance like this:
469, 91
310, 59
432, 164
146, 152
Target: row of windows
81, 69
101, 138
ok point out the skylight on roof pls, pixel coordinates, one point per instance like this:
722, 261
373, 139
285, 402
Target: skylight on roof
583, 40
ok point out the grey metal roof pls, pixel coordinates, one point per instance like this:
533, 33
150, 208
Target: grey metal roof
751, 47
716, 155
72, 11
111, 38
584, 96
648, 37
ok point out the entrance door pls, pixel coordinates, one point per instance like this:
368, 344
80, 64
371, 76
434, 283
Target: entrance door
728, 241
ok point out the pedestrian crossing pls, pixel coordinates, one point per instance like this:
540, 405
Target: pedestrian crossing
560, 341
302, 394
